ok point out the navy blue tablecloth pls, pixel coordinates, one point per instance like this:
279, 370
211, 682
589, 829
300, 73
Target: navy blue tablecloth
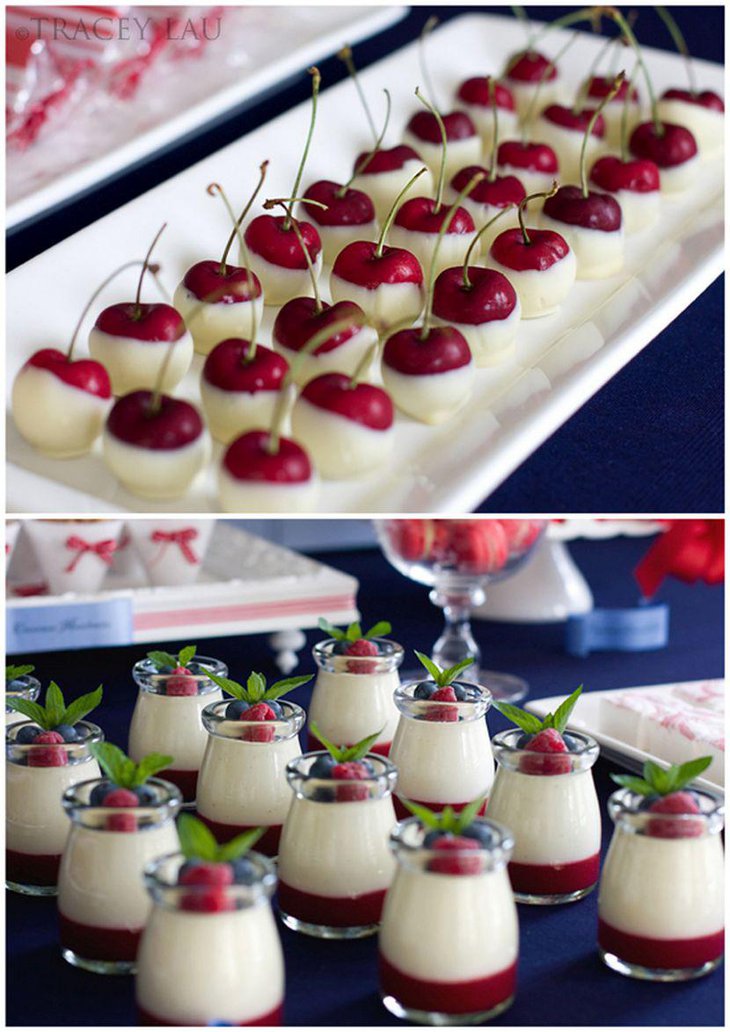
561, 980
650, 441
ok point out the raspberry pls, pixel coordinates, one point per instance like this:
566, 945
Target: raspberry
207, 874
51, 757
258, 734
210, 901
408, 538
480, 545
121, 797
443, 714
549, 741
361, 647
351, 771
455, 864
675, 802
121, 822
181, 682
520, 533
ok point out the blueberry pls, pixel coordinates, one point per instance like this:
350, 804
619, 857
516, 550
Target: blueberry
276, 707
424, 690
244, 871
482, 833
99, 792
340, 647
369, 767
523, 741
27, 735
322, 767
166, 669
68, 733
647, 801
146, 795
433, 836
235, 709
461, 692
187, 866
323, 795
196, 668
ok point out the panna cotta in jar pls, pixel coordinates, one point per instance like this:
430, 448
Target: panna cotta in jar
167, 715
102, 902
441, 746
660, 902
36, 827
334, 861
210, 952
20, 686
353, 693
449, 937
243, 780
549, 801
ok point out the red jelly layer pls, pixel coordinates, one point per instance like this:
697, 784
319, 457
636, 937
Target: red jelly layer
275, 1017
93, 943
268, 844
473, 997
554, 879
185, 780
401, 812
660, 953
314, 745
339, 912
32, 868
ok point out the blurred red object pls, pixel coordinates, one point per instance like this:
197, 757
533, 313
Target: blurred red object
470, 545
690, 550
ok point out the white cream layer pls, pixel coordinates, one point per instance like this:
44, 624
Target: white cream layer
35, 820
157, 475
349, 707
134, 365
245, 782
171, 725
442, 762
434, 398
211, 323
57, 419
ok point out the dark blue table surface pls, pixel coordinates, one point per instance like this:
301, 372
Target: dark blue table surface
650, 441
561, 980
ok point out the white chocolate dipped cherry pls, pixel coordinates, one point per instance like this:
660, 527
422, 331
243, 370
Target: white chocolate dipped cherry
275, 252
239, 387
566, 127
475, 94
535, 164
540, 264
220, 300
624, 106
386, 282
134, 341
526, 72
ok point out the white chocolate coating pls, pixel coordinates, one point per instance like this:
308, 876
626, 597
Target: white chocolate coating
134, 365
387, 305
567, 144
482, 213
167, 473
459, 154
383, 187
679, 177
343, 359
249, 496
442, 762
339, 447
279, 284
597, 254
452, 249
212, 323
491, 342
523, 94
229, 414
432, 398
612, 115
541, 292
533, 182
171, 725
706, 125
638, 210
54, 417
483, 120
334, 238
35, 821
245, 782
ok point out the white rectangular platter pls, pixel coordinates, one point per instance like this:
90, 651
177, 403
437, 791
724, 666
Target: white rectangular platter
561, 361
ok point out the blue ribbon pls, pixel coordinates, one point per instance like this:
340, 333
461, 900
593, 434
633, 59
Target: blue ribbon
638, 629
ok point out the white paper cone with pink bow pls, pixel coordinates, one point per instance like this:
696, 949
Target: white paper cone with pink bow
172, 551
74, 555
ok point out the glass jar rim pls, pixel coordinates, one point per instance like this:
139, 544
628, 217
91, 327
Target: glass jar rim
294, 717
165, 891
407, 837
172, 797
386, 773
468, 709
149, 678
624, 808
95, 734
501, 741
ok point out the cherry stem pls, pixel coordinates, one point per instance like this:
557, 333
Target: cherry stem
522, 207
581, 96
345, 55
495, 128
364, 362
476, 178
615, 15
392, 213
237, 222
625, 116
530, 113
592, 14
615, 87
366, 158
521, 15
631, 18
681, 44
444, 145
102, 286
145, 263
156, 399
465, 272
320, 337
425, 33
282, 202
316, 80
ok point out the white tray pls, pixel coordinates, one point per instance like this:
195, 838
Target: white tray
561, 360
587, 717
302, 35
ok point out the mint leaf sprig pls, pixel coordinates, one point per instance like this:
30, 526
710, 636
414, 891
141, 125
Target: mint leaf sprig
13, 672
531, 724
165, 659
354, 632
123, 771
255, 689
443, 677
56, 711
448, 820
662, 781
346, 753
197, 841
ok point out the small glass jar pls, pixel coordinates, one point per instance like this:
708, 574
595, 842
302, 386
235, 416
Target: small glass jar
23, 687
334, 861
442, 749
549, 801
172, 724
102, 903
449, 939
36, 826
660, 901
202, 966
242, 782
353, 695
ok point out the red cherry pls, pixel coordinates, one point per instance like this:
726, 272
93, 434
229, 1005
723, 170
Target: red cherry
419, 215
545, 249
534, 157
175, 424
227, 367
613, 174
568, 119
364, 403
85, 374
457, 124
476, 91
530, 66
298, 321
600, 86
358, 263
206, 281
266, 236
442, 350
503, 190
596, 211
706, 99
676, 146
354, 208
248, 458
490, 297
390, 160
142, 322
